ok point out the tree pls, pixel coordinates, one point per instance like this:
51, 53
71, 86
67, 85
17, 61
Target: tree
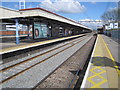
111, 15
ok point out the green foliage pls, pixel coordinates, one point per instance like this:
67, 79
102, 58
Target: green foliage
112, 29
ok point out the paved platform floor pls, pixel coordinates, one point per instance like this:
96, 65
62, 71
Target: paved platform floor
102, 71
10, 47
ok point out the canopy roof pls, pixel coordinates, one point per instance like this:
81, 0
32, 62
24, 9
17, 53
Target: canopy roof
36, 12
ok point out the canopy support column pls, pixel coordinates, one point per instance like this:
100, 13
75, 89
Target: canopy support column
28, 27
17, 32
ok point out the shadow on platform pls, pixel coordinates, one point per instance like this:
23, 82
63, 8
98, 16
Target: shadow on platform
105, 62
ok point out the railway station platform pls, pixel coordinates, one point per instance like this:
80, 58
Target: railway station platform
11, 46
103, 68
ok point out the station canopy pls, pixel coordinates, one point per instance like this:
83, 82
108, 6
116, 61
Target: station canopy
30, 13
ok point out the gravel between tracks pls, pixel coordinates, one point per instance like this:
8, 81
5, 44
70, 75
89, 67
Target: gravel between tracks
63, 76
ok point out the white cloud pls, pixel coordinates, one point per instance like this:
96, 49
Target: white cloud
29, 6
93, 2
16, 6
111, 9
64, 6
91, 23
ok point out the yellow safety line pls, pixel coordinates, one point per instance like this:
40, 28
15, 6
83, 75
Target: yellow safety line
35, 44
97, 85
111, 57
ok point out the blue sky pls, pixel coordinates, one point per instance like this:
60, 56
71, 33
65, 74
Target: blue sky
73, 9
93, 10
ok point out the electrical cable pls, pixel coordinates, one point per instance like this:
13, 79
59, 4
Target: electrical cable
85, 13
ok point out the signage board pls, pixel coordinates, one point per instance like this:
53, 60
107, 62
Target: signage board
40, 30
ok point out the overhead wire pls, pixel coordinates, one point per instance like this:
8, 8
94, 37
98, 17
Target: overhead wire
86, 14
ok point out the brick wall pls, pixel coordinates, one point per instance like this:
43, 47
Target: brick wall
7, 33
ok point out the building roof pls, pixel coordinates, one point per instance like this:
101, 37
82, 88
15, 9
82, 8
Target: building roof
32, 12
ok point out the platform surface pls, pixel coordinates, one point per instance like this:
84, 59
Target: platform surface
102, 71
10, 47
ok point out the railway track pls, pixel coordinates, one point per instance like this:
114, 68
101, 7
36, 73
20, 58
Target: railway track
13, 71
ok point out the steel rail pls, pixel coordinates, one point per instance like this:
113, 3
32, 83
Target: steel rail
11, 77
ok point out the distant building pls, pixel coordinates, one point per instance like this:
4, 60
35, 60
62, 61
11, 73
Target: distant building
115, 25
111, 26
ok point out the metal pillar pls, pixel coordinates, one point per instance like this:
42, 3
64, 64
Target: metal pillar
17, 32
28, 27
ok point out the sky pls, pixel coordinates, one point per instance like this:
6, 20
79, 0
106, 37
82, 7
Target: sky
72, 9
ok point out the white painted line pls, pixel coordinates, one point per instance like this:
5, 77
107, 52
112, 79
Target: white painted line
88, 68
